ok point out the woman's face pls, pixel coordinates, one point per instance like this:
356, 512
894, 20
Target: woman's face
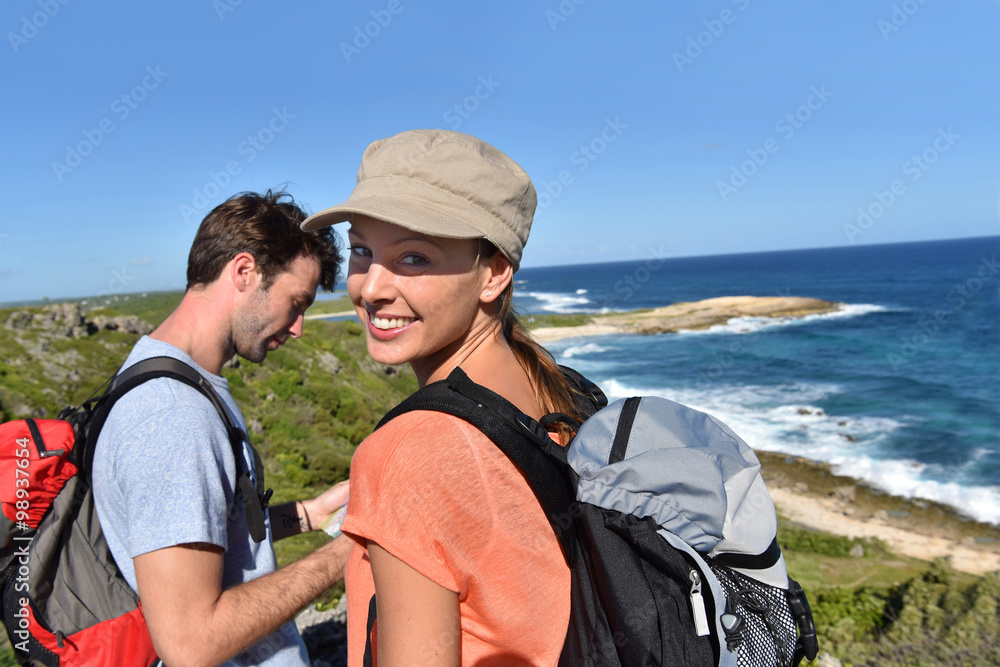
418, 296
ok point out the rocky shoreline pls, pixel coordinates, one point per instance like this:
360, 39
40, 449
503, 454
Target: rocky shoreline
691, 316
811, 494
325, 634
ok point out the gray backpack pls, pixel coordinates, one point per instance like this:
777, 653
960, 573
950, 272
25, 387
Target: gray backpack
64, 601
665, 522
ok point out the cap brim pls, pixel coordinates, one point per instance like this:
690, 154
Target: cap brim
325, 218
398, 210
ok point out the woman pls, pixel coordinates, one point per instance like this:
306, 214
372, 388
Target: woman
464, 563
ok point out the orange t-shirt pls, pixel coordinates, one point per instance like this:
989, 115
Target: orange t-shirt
436, 493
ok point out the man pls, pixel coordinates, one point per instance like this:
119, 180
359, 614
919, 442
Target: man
164, 471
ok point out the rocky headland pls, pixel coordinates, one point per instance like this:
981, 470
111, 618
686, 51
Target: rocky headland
691, 316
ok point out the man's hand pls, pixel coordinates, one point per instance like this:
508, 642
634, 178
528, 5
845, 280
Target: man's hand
321, 508
305, 515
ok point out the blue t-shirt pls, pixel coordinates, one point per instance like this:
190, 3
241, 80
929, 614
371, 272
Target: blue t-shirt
164, 475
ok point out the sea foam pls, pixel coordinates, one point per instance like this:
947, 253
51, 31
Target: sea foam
557, 302
750, 324
785, 419
586, 348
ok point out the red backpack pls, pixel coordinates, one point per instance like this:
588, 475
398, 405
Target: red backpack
64, 600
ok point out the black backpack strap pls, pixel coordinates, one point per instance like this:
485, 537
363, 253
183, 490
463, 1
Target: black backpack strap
760, 561
372, 615
254, 497
590, 398
807, 645
521, 438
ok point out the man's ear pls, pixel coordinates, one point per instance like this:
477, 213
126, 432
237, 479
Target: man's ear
498, 275
243, 272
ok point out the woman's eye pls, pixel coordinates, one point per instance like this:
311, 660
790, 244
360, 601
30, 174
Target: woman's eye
413, 260
360, 251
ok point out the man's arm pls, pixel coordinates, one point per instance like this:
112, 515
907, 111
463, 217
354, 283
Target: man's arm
194, 623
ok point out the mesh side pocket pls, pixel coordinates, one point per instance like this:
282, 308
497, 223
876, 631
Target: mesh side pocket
764, 631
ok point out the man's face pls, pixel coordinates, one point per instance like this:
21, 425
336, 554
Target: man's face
269, 317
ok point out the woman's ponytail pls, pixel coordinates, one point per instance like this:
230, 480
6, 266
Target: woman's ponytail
553, 392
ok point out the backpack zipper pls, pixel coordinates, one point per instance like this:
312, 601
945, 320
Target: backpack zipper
698, 605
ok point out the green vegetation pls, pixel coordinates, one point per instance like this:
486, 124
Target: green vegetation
538, 321
152, 308
877, 608
339, 305
929, 620
313, 400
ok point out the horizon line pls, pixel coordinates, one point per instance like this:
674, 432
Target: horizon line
44, 301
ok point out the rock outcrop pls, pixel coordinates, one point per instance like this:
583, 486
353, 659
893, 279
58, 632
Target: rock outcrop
691, 316
69, 320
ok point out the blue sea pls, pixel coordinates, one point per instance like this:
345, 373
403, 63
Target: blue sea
900, 388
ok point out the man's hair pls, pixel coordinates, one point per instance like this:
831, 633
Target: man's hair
266, 226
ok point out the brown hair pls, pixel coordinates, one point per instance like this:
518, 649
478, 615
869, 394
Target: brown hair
552, 391
266, 226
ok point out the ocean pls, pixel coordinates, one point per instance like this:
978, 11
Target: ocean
900, 388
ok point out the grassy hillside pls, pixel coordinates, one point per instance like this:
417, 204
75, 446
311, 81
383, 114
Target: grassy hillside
312, 401
307, 406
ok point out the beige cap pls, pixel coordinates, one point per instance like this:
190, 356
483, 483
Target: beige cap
441, 183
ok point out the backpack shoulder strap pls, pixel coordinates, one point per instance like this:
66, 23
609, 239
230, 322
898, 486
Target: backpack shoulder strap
590, 398
521, 438
254, 498
174, 369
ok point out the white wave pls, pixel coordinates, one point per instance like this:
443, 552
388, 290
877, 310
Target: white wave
903, 478
783, 418
741, 325
615, 390
850, 310
557, 302
787, 419
581, 291
982, 452
586, 348
750, 324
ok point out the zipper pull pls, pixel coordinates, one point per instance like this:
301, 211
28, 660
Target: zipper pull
698, 605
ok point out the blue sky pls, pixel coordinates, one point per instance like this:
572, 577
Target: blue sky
649, 128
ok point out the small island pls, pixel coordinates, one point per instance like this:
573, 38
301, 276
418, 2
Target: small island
690, 316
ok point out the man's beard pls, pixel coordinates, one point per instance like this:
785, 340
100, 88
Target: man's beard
249, 336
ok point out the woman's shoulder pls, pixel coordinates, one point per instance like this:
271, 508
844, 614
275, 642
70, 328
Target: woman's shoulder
419, 435
429, 423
